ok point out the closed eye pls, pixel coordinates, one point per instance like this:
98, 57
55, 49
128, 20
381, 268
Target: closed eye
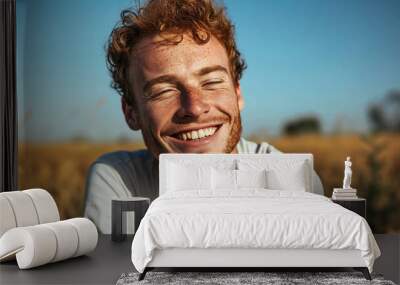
165, 91
211, 83
162, 94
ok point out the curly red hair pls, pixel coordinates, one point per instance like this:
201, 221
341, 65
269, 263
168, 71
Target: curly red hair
201, 18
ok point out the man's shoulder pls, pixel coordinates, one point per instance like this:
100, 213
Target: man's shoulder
124, 158
245, 146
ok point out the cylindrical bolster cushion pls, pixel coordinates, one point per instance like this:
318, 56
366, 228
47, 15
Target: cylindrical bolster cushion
45, 205
33, 246
23, 208
41, 244
7, 218
87, 235
67, 240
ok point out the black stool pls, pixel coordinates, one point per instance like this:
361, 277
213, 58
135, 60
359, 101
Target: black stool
138, 205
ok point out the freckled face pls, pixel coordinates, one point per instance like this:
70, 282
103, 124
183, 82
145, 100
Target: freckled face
186, 99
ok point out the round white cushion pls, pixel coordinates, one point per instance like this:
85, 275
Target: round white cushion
7, 218
87, 234
26, 208
23, 208
45, 205
67, 240
33, 246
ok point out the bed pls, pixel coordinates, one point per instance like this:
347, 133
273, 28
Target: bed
245, 211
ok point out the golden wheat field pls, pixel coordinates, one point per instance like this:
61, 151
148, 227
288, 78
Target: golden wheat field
61, 169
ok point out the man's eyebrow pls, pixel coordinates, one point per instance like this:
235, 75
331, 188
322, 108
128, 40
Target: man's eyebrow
160, 79
210, 69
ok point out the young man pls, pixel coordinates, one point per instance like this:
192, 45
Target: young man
176, 65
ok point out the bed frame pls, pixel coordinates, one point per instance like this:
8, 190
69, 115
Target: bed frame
248, 259
259, 259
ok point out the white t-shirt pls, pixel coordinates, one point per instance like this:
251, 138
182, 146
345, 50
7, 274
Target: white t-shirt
124, 174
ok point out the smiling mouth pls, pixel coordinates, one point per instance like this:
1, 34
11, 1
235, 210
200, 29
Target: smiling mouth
198, 134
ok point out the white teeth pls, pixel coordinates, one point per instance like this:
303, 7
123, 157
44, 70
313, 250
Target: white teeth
201, 134
198, 134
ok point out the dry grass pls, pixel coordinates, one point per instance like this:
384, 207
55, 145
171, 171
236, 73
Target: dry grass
61, 169
376, 170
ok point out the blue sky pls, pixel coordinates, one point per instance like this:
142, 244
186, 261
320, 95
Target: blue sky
327, 58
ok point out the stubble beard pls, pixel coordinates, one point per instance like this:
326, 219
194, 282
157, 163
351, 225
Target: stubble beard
234, 135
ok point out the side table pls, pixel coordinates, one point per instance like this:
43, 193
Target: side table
138, 205
358, 206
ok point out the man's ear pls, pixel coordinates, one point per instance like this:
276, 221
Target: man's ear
131, 116
239, 96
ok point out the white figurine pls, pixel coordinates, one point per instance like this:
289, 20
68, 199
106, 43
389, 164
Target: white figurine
347, 174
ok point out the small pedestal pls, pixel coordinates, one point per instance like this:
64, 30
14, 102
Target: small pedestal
138, 205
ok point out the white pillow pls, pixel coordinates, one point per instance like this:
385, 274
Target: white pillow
293, 179
181, 177
223, 179
235, 179
251, 178
282, 174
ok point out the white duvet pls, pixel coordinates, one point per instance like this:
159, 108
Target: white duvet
252, 218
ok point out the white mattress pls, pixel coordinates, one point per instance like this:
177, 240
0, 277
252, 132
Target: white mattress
252, 218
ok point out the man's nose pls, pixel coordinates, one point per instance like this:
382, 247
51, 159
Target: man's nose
192, 105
